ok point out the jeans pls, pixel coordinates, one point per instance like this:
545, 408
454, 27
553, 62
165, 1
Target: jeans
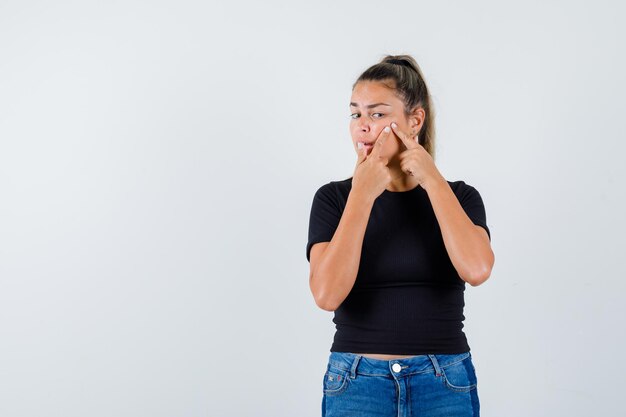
422, 385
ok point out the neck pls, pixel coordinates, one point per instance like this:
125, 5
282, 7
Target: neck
400, 180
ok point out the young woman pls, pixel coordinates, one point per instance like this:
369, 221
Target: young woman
390, 251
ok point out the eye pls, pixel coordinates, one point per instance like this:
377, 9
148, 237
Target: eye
355, 115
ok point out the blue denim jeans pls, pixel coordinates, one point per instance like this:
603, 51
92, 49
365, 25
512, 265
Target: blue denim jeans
422, 385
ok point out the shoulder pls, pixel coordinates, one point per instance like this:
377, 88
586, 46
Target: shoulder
462, 188
332, 197
459, 185
337, 190
467, 194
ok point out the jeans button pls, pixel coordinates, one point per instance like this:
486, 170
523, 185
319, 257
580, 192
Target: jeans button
396, 367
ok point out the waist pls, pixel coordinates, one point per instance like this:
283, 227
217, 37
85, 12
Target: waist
348, 361
384, 356
401, 321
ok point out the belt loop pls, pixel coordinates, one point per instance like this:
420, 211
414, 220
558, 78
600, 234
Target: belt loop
354, 365
435, 364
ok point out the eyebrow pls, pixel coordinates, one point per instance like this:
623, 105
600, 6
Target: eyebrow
371, 106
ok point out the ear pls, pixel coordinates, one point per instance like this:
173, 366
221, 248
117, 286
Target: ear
417, 118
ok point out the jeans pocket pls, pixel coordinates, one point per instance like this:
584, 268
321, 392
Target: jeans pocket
335, 380
460, 376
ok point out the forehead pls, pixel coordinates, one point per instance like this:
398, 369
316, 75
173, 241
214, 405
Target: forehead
366, 92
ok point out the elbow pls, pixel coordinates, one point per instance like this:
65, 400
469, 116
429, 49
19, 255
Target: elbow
325, 305
323, 302
478, 275
321, 297
477, 279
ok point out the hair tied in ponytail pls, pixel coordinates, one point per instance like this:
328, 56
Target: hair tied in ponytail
398, 62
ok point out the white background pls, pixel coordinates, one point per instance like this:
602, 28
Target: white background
158, 161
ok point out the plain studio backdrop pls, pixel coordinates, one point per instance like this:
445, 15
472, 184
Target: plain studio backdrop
158, 161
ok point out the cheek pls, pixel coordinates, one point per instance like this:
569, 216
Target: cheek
353, 132
391, 146
354, 129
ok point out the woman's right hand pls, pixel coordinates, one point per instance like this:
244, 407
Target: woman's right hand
371, 174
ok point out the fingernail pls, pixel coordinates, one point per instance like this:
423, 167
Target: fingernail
359, 145
387, 129
394, 125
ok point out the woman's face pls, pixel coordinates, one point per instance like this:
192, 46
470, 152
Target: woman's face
373, 106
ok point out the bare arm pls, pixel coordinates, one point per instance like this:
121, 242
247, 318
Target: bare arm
334, 267
467, 244
335, 264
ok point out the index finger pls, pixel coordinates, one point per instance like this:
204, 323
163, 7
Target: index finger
404, 137
382, 137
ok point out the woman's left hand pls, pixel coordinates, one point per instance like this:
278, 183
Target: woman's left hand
416, 161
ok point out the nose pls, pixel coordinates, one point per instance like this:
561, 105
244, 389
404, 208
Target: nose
363, 125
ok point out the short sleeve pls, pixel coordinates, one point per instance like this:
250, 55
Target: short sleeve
324, 218
472, 203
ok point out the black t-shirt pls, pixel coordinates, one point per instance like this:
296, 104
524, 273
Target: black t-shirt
408, 297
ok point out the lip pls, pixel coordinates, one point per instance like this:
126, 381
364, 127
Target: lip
367, 146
